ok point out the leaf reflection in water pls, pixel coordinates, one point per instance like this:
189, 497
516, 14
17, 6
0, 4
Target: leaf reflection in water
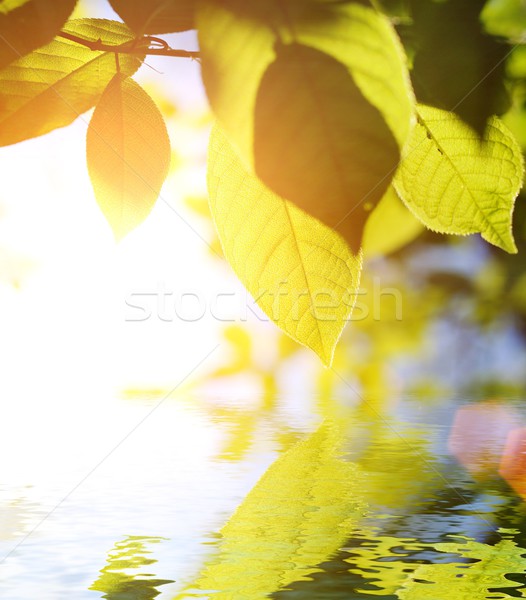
297, 516
122, 579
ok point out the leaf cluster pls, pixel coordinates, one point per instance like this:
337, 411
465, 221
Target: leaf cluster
343, 127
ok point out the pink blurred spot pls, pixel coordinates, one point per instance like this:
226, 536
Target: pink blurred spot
513, 462
478, 437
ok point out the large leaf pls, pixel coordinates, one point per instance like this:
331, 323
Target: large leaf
319, 142
128, 152
52, 86
301, 109
456, 183
29, 24
389, 227
156, 16
298, 515
301, 272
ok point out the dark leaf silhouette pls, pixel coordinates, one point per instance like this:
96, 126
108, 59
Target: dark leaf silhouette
457, 66
156, 16
30, 25
319, 143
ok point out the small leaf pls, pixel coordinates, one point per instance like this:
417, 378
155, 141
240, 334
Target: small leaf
455, 182
52, 86
301, 272
26, 25
156, 16
297, 112
390, 226
128, 152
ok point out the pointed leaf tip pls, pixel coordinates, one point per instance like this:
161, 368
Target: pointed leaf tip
302, 273
457, 183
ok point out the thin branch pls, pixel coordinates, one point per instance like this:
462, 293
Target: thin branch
139, 46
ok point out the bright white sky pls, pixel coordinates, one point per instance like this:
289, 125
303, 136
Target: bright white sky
66, 348
67, 318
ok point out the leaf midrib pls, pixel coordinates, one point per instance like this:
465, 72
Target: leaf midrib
445, 154
296, 243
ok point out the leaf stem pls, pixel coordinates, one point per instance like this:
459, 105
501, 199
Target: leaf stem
133, 47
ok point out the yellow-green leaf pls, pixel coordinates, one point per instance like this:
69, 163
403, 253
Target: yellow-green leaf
237, 46
455, 182
306, 114
128, 152
389, 227
53, 85
299, 514
301, 272
29, 24
156, 16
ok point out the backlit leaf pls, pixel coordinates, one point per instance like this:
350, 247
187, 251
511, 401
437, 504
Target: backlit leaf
54, 85
456, 183
297, 516
297, 112
156, 16
301, 272
29, 24
128, 154
122, 577
312, 148
390, 226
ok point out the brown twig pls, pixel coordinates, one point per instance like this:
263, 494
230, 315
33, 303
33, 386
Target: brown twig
139, 46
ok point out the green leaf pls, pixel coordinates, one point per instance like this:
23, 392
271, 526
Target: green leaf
316, 136
515, 118
299, 514
128, 152
457, 67
156, 16
455, 182
505, 17
29, 24
297, 111
54, 85
389, 227
301, 272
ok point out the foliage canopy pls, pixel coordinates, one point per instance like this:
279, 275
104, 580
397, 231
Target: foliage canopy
331, 116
